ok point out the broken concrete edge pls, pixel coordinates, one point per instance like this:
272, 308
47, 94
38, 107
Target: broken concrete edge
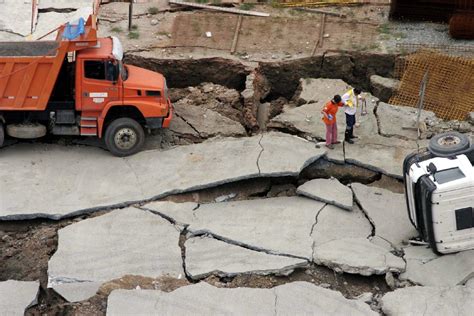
372, 168
181, 226
159, 196
364, 271
359, 204
284, 271
35, 300
331, 202
205, 232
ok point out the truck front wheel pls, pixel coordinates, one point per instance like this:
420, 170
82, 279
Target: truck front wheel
124, 137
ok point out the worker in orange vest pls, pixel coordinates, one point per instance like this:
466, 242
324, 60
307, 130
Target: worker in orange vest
329, 117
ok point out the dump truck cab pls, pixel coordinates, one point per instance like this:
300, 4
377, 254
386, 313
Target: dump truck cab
439, 190
79, 85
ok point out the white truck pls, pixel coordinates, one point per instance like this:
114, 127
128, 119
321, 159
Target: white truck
439, 190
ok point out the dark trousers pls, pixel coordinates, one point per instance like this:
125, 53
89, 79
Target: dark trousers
350, 122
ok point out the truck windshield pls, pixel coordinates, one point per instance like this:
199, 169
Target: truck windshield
123, 71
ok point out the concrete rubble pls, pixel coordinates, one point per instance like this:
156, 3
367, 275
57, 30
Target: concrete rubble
456, 300
17, 296
208, 123
358, 256
143, 176
203, 299
328, 191
206, 256
380, 205
426, 268
383, 88
123, 242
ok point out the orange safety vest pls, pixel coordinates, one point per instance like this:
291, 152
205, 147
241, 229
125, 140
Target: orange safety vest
331, 109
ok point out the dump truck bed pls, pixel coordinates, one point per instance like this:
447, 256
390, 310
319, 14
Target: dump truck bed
29, 69
28, 72
28, 49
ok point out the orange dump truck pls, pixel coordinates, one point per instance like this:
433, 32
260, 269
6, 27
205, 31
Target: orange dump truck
78, 85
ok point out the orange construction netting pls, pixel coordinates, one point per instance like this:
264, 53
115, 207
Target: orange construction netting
450, 88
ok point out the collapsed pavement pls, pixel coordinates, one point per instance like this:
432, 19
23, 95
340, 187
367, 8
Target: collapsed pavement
264, 234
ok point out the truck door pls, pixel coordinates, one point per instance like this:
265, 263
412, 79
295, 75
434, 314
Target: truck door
99, 84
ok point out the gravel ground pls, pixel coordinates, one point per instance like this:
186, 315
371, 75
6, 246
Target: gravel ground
398, 36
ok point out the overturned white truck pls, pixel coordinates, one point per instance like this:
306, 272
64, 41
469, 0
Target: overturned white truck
439, 190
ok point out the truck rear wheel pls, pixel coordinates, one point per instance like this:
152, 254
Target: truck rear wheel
449, 143
2, 134
124, 137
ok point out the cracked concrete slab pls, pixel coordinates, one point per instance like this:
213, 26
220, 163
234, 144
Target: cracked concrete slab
17, 296
48, 21
63, 4
376, 152
123, 242
208, 256
303, 298
329, 191
357, 256
180, 213
333, 223
434, 301
306, 119
387, 211
320, 90
280, 225
203, 299
381, 154
303, 153
18, 23
426, 268
400, 121
206, 122
198, 299
65, 181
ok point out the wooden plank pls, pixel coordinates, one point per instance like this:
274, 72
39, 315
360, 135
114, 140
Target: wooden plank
210, 7
340, 15
319, 41
236, 35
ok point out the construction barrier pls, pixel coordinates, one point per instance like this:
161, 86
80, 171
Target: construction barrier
450, 88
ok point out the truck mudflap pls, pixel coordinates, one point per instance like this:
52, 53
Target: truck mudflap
167, 119
407, 163
424, 189
154, 122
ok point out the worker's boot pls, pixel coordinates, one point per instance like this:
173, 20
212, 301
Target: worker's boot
347, 137
351, 134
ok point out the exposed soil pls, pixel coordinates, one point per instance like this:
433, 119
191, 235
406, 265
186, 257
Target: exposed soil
350, 285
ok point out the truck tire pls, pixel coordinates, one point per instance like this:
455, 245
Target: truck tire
449, 143
124, 137
2, 134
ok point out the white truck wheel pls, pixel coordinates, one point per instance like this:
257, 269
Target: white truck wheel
449, 143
